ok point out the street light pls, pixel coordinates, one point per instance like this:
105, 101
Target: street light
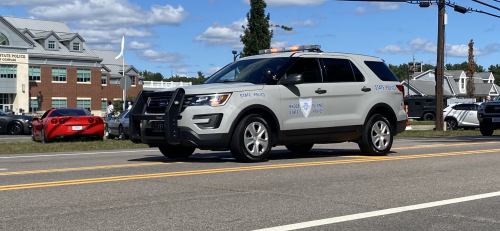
236, 55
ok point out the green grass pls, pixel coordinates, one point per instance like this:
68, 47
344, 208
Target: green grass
432, 133
415, 122
37, 147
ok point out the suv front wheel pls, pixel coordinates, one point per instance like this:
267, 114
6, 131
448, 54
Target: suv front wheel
377, 136
175, 152
251, 139
486, 131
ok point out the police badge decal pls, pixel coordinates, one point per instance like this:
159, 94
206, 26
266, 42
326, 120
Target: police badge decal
305, 106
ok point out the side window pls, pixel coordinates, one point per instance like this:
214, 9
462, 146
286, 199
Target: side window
462, 107
308, 68
381, 70
338, 70
473, 107
45, 114
357, 73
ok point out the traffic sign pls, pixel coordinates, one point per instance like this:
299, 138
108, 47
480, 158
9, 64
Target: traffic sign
128, 83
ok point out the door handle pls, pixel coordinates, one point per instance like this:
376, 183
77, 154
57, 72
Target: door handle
319, 91
366, 89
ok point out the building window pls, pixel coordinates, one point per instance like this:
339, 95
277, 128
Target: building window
83, 103
34, 73
83, 75
103, 105
52, 45
8, 71
58, 74
3, 40
33, 105
462, 83
132, 78
59, 103
104, 79
76, 46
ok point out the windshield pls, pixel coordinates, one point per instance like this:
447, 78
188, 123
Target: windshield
250, 71
123, 114
69, 112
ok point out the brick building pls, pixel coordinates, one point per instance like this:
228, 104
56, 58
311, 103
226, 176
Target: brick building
48, 57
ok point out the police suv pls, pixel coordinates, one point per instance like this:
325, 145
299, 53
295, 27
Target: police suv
296, 96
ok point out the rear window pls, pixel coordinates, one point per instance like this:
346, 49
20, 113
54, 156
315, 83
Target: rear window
69, 112
381, 70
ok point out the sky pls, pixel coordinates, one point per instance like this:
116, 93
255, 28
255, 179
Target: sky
186, 36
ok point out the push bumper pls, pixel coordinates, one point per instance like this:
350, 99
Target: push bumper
488, 122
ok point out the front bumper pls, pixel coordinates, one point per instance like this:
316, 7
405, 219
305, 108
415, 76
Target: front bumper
27, 128
488, 122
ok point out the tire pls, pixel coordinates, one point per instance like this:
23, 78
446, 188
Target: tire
486, 131
44, 140
377, 136
451, 124
121, 135
252, 139
15, 128
107, 133
301, 148
429, 116
33, 135
176, 152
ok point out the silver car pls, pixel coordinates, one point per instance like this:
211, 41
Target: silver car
461, 115
118, 127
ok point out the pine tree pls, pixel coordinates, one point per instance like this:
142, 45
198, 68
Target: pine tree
257, 34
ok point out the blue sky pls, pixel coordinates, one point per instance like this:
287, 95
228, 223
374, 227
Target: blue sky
186, 36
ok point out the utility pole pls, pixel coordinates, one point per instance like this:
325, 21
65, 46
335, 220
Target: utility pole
440, 67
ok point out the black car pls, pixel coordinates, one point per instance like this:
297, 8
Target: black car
15, 124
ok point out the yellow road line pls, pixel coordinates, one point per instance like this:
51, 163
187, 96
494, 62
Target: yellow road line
444, 145
82, 168
236, 169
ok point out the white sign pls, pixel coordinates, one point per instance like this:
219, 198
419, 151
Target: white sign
13, 58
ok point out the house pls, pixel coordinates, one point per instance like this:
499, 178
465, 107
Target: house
454, 85
48, 57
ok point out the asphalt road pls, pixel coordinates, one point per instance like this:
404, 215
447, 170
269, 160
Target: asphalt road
425, 184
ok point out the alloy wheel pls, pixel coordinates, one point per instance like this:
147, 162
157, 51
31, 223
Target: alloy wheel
256, 138
381, 135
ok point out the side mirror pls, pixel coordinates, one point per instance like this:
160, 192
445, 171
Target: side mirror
292, 79
269, 74
36, 118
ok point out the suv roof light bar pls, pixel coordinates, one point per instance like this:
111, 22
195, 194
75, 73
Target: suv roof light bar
309, 48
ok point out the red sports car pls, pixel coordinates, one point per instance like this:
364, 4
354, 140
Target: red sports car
67, 123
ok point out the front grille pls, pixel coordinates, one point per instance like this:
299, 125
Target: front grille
492, 109
159, 104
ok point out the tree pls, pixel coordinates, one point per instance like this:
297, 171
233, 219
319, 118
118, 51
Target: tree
257, 34
201, 77
496, 73
400, 71
150, 76
427, 67
470, 70
463, 66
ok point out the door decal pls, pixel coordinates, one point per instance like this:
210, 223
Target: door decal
305, 106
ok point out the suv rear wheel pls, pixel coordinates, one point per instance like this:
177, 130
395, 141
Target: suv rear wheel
300, 148
377, 136
429, 116
175, 152
252, 139
451, 124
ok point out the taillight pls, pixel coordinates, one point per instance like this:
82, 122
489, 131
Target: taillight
53, 121
98, 120
62, 121
91, 120
401, 88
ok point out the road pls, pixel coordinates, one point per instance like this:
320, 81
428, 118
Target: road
424, 184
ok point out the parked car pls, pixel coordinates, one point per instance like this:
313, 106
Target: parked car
67, 123
461, 115
118, 127
489, 117
15, 124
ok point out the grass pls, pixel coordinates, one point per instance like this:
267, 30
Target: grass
432, 133
415, 122
37, 147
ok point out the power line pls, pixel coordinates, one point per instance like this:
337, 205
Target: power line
486, 4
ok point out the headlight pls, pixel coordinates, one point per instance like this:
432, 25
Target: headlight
210, 100
26, 121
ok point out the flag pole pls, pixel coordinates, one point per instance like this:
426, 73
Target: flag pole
123, 73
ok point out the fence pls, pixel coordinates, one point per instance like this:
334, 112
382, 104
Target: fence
162, 84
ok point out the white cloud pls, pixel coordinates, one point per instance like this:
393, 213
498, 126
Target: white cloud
374, 7
278, 3
160, 56
212, 70
135, 45
110, 13
387, 5
221, 35
279, 43
306, 23
420, 45
112, 36
179, 65
360, 10
394, 49
184, 71
30, 2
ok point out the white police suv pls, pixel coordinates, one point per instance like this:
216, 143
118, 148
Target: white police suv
296, 96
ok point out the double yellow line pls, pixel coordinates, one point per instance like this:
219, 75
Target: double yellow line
237, 169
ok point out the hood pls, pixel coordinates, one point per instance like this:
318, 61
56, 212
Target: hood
21, 117
213, 88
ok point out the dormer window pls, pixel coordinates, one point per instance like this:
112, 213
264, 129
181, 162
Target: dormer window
76, 46
52, 45
3, 40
